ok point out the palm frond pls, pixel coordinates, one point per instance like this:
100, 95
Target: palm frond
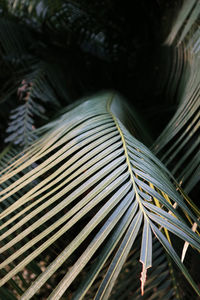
186, 18
92, 171
159, 284
7, 157
178, 144
128, 284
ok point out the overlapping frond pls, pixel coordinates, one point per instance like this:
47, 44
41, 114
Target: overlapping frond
178, 144
94, 178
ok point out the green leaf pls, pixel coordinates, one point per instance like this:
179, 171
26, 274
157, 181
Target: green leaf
178, 144
146, 252
175, 257
108, 248
88, 168
119, 259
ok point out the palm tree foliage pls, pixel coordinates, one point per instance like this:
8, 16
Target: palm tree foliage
85, 205
182, 129
88, 160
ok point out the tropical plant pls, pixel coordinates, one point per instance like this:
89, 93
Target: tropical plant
83, 196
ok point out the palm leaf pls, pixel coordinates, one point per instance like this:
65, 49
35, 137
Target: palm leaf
159, 283
89, 165
179, 142
186, 18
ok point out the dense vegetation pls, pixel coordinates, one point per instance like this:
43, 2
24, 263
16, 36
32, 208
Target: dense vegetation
99, 191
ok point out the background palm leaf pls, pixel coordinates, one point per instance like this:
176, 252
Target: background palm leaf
180, 139
179, 149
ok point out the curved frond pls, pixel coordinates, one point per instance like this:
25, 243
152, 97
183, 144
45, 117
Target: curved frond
92, 171
178, 144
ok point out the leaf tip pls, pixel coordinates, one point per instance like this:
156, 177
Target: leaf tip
143, 278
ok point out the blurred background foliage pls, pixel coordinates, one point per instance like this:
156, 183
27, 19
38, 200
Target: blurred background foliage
68, 49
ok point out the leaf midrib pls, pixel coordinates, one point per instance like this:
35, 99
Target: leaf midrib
126, 155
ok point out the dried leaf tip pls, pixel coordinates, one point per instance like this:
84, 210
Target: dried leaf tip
143, 278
